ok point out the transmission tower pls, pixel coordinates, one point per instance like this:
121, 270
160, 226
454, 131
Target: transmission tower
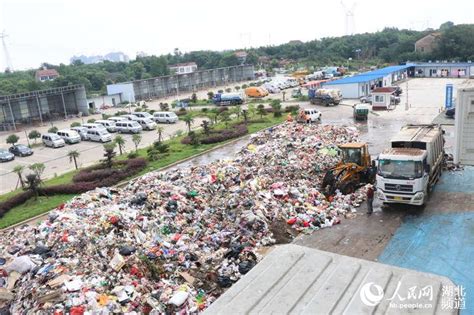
349, 14
8, 61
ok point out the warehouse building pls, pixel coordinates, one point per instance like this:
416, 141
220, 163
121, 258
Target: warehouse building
178, 83
38, 107
444, 70
362, 84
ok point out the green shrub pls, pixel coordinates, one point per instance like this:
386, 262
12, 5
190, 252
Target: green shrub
53, 129
132, 155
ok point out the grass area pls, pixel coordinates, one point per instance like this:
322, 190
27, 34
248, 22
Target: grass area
177, 152
32, 208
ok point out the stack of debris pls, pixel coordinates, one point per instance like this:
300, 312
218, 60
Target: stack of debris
173, 241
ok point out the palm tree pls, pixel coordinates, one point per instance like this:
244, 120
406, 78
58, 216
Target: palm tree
18, 170
160, 131
120, 141
188, 119
237, 110
136, 138
73, 155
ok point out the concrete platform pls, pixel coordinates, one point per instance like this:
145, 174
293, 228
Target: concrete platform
299, 280
441, 239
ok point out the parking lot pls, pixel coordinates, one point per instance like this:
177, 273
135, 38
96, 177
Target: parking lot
425, 100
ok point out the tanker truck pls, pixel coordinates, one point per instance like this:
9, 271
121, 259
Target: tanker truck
408, 170
228, 99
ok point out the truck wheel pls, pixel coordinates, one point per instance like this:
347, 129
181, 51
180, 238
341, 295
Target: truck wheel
347, 188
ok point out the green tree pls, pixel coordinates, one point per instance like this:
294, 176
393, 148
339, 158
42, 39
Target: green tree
164, 107
237, 110
194, 98
109, 154
120, 142
136, 139
245, 114
252, 110
206, 127
37, 169
261, 110
276, 105
91, 121
75, 124
53, 129
446, 25
237, 88
160, 130
12, 139
73, 156
18, 170
228, 90
210, 95
32, 183
225, 117
33, 135
188, 119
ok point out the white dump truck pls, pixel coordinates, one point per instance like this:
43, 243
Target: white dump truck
407, 171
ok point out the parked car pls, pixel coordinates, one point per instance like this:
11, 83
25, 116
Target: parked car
94, 126
98, 135
20, 150
165, 117
143, 115
366, 99
146, 123
6, 156
130, 117
116, 118
82, 131
69, 136
128, 126
52, 140
450, 113
108, 124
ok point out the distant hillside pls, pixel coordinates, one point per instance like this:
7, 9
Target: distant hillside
388, 46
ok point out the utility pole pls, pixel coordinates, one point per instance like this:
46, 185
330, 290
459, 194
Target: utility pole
8, 61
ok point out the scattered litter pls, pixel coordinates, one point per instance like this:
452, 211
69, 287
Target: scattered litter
172, 242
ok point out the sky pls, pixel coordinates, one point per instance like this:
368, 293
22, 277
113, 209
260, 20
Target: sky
55, 30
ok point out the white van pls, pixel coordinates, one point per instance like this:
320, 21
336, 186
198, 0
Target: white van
130, 117
165, 117
108, 124
98, 135
313, 115
146, 123
82, 131
143, 115
128, 126
52, 140
94, 126
116, 118
69, 136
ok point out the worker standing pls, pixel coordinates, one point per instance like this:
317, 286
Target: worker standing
370, 199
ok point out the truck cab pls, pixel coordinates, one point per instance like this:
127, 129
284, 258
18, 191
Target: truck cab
409, 169
402, 176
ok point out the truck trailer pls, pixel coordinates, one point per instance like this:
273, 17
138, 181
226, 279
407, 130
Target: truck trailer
324, 96
228, 99
408, 170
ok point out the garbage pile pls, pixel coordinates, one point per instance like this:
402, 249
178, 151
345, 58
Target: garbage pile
173, 241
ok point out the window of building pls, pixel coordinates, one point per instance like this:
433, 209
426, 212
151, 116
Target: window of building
379, 98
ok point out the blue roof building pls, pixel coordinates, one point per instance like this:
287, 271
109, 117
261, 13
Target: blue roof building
361, 84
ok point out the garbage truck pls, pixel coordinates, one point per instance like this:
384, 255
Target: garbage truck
228, 99
324, 96
408, 170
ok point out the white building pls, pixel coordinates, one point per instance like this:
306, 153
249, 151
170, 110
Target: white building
184, 68
362, 84
464, 127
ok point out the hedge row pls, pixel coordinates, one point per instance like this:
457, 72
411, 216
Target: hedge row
220, 135
87, 179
